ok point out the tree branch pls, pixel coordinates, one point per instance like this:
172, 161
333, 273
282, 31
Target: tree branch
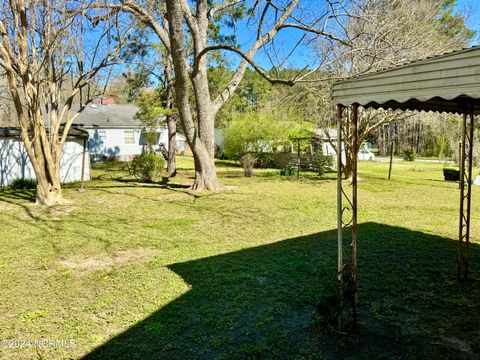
257, 68
316, 31
259, 43
222, 6
142, 13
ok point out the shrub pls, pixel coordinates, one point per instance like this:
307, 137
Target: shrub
22, 184
329, 162
409, 154
451, 173
288, 171
258, 133
323, 163
147, 167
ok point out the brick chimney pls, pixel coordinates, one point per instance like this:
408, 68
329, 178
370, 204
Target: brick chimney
107, 100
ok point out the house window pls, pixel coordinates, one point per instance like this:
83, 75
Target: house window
128, 137
102, 135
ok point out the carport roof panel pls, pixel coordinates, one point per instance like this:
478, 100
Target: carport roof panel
442, 83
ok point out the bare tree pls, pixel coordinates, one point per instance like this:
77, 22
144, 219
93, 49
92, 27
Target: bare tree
51, 63
6, 106
180, 23
383, 34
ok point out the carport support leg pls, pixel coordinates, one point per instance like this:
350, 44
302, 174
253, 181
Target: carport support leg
339, 209
354, 147
465, 194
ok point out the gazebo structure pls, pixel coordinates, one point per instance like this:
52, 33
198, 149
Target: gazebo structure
447, 83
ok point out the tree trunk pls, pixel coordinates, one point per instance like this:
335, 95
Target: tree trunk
46, 161
198, 129
44, 156
49, 191
347, 170
171, 121
205, 173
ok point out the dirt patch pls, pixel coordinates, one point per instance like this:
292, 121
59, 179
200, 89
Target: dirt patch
5, 206
121, 258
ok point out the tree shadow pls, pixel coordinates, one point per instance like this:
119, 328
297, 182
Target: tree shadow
19, 195
160, 184
260, 303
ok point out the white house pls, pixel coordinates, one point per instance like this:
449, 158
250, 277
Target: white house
116, 133
15, 164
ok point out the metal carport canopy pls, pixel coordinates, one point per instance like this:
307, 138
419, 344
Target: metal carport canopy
444, 83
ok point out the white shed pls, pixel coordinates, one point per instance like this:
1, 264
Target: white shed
15, 164
329, 137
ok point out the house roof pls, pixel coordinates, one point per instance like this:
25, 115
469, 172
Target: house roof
14, 132
326, 133
109, 116
445, 83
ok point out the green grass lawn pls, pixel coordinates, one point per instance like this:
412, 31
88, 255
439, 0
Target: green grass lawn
131, 270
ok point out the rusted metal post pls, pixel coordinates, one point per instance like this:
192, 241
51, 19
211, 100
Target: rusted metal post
339, 191
339, 208
462, 192
469, 187
82, 178
465, 194
354, 146
391, 160
460, 160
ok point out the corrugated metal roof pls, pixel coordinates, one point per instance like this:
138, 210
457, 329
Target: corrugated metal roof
446, 83
14, 132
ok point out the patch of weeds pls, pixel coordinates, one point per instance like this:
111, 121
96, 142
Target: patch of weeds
34, 315
271, 174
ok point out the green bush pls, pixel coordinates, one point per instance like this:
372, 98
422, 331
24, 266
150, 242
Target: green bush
329, 162
452, 168
409, 154
147, 167
289, 171
22, 184
324, 163
258, 133
451, 173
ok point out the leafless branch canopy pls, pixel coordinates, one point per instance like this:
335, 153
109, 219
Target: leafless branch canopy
52, 54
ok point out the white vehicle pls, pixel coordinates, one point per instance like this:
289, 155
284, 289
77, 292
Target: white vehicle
365, 155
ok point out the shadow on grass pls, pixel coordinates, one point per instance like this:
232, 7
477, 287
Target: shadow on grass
160, 184
170, 186
259, 303
20, 195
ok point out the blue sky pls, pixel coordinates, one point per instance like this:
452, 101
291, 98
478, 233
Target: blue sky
285, 41
472, 8
302, 56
